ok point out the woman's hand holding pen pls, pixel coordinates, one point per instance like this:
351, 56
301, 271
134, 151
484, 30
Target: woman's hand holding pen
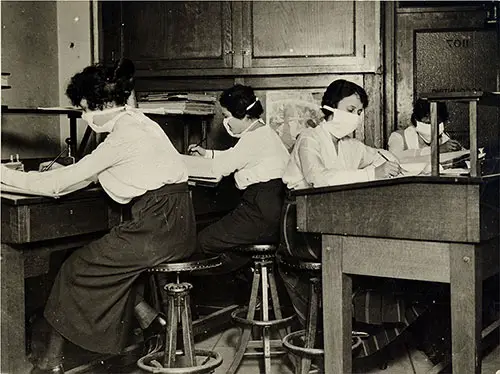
450, 146
388, 169
196, 150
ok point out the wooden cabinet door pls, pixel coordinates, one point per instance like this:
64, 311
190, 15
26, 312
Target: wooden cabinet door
342, 34
168, 35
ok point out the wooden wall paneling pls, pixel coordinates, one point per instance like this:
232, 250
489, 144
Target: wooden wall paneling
174, 35
306, 34
406, 26
110, 21
389, 49
374, 118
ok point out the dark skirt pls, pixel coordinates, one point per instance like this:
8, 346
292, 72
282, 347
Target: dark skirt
380, 306
91, 302
255, 220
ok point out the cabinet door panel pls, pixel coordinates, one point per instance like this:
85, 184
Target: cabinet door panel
175, 34
298, 29
311, 33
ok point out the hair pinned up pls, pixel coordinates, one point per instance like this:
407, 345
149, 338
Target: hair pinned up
339, 89
422, 112
100, 85
241, 101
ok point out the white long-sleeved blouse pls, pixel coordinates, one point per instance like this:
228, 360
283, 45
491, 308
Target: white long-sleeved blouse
136, 156
405, 143
314, 161
259, 156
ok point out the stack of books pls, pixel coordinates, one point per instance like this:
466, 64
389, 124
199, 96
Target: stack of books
178, 103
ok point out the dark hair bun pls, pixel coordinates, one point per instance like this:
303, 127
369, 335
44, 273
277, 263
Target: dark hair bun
124, 69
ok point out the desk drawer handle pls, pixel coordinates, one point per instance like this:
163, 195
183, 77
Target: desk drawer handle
466, 259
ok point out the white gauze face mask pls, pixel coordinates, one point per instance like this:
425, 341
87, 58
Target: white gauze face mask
225, 122
424, 130
108, 125
342, 124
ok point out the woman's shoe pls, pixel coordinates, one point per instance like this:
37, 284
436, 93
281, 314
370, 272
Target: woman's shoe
54, 370
154, 334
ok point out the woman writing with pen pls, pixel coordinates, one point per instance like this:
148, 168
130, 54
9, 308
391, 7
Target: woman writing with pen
415, 140
327, 155
258, 161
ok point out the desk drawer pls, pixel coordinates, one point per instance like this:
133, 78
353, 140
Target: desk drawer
58, 219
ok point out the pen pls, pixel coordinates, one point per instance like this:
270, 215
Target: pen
383, 156
197, 145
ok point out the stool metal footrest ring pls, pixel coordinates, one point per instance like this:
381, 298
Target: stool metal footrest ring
300, 351
310, 352
145, 363
251, 322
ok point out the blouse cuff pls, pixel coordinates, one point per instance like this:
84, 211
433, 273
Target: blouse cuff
370, 172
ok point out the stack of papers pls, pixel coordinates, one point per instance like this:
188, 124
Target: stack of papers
178, 103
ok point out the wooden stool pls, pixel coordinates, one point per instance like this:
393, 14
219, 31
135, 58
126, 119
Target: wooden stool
263, 257
179, 310
307, 351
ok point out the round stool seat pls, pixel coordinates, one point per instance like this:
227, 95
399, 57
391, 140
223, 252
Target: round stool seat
257, 251
298, 264
151, 363
178, 267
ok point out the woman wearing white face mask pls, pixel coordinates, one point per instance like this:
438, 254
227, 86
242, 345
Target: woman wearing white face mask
327, 155
93, 300
258, 161
415, 140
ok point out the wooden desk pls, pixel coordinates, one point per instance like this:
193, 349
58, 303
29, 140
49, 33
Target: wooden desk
33, 228
439, 229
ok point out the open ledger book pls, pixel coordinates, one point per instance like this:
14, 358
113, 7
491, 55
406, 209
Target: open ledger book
200, 171
23, 191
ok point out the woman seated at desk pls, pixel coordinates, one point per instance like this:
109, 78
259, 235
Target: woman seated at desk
415, 140
94, 295
258, 161
324, 156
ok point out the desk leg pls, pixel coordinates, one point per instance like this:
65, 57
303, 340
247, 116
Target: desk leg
337, 315
466, 305
13, 339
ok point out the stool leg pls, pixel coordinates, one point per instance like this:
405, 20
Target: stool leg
187, 330
171, 339
265, 317
311, 323
245, 336
276, 302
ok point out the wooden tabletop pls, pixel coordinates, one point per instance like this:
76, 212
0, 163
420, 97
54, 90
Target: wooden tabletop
18, 199
482, 97
442, 179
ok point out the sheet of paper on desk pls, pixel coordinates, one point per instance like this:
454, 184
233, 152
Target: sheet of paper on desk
22, 191
200, 170
443, 157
